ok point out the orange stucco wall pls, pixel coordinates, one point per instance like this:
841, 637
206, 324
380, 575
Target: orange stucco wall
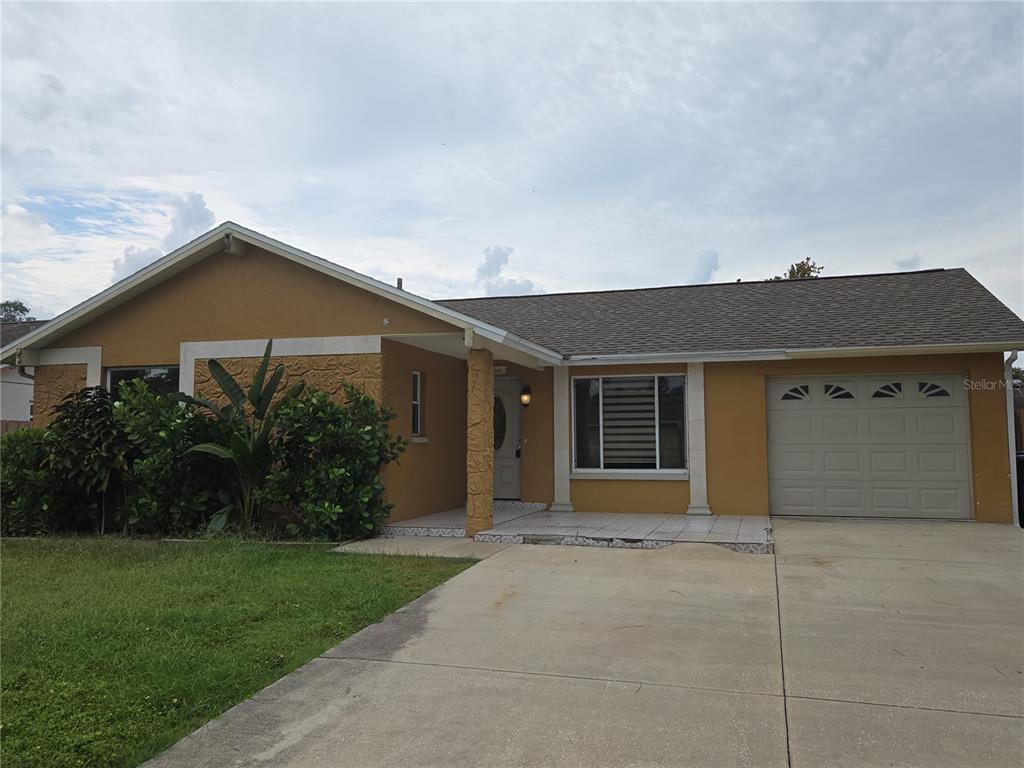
251, 296
737, 426
650, 496
737, 434
430, 476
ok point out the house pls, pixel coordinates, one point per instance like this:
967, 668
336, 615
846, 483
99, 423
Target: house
15, 387
866, 396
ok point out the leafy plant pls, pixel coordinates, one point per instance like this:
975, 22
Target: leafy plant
32, 495
248, 420
328, 477
167, 488
88, 447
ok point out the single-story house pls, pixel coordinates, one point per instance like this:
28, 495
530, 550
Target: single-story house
880, 396
15, 388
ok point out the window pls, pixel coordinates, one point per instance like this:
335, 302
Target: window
892, 389
837, 392
417, 403
799, 392
931, 389
162, 380
630, 422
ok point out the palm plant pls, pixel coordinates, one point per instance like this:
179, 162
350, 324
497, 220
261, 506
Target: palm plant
249, 419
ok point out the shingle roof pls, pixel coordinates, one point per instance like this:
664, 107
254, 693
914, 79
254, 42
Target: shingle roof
940, 306
12, 331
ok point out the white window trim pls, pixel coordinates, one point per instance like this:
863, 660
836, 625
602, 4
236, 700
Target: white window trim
600, 473
91, 357
311, 346
417, 429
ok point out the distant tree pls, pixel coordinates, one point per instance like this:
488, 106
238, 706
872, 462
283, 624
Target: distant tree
801, 269
14, 311
1018, 373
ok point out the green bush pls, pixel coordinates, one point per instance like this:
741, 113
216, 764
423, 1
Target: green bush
327, 480
33, 498
167, 488
90, 451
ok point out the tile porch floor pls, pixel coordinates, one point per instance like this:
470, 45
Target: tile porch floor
520, 522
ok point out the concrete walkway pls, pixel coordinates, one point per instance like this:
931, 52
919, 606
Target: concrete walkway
857, 644
517, 522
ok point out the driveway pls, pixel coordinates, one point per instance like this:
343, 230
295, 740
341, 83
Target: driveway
859, 644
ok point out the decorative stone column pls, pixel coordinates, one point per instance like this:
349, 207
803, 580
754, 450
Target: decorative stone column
562, 442
479, 442
696, 440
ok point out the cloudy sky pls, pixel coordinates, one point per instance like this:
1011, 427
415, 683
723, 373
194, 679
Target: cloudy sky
484, 149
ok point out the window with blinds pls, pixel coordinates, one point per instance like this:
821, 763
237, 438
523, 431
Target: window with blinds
629, 422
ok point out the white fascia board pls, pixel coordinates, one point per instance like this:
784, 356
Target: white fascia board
142, 278
788, 354
917, 349
674, 357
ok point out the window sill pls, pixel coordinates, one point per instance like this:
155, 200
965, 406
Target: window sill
419, 440
628, 474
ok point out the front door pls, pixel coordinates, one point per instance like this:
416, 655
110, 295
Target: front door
506, 438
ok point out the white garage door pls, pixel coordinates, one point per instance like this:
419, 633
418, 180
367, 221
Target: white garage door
869, 446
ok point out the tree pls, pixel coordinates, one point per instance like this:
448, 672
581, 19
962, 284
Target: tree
14, 311
1018, 373
248, 420
800, 270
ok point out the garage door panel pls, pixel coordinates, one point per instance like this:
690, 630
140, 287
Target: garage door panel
940, 423
797, 462
835, 425
878, 446
845, 500
894, 460
891, 501
795, 426
842, 462
886, 425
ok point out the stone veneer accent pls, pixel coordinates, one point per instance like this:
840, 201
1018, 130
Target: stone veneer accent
52, 384
325, 372
479, 442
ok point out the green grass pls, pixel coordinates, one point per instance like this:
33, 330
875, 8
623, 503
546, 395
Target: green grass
112, 650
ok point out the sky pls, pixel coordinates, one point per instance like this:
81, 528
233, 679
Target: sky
517, 148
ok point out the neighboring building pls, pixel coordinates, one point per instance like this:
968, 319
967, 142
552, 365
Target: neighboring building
863, 396
15, 389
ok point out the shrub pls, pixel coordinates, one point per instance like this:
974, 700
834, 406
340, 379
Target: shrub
32, 496
90, 451
329, 461
167, 488
249, 439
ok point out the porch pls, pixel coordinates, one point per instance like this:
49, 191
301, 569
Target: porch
525, 523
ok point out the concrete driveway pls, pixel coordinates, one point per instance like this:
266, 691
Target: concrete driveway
859, 644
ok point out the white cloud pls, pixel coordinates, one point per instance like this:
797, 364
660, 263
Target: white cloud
706, 267
489, 274
603, 140
133, 260
190, 218
908, 263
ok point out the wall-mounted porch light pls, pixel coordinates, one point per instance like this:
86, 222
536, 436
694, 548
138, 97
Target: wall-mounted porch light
525, 396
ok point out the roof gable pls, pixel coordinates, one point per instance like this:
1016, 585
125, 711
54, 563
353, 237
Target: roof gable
233, 238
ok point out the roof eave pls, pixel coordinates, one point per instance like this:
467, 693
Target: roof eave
792, 354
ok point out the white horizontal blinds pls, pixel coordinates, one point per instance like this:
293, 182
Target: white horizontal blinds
629, 420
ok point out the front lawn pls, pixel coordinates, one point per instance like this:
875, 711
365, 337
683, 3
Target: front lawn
112, 650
